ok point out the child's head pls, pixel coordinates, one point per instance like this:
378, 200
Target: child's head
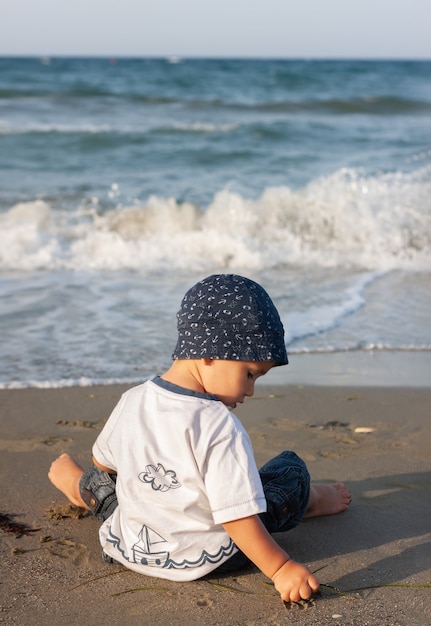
231, 318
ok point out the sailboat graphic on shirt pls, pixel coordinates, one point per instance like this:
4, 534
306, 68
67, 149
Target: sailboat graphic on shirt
147, 550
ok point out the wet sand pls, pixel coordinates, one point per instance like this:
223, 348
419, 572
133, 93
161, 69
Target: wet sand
377, 440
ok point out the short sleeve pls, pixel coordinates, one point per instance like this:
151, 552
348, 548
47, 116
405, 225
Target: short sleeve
101, 449
232, 480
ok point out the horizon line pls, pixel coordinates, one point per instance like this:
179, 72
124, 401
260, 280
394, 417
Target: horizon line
180, 57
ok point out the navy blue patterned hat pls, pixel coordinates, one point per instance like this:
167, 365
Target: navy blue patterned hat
229, 317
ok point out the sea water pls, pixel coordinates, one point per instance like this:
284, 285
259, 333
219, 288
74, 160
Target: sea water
124, 181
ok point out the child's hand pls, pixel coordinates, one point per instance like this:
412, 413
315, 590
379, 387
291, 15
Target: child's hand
294, 582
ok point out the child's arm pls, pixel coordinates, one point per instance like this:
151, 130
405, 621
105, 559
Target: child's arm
292, 580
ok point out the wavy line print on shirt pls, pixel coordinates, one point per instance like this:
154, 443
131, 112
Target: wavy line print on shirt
160, 478
147, 551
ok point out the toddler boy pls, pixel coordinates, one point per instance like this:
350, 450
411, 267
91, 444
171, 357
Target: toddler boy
174, 479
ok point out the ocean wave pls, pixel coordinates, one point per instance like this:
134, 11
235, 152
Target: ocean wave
361, 346
347, 219
83, 92
69, 382
67, 129
113, 132
323, 318
370, 105
202, 127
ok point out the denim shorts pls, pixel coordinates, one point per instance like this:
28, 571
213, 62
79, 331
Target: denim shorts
97, 489
286, 484
285, 481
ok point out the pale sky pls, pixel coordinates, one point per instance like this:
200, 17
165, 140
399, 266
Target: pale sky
217, 28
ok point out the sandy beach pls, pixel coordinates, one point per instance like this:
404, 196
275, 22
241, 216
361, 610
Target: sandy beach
374, 561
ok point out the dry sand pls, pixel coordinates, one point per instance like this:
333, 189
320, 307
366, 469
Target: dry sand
52, 572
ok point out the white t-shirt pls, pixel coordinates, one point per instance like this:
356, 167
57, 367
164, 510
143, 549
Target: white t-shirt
185, 466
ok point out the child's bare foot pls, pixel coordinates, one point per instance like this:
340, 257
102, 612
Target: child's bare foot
328, 499
65, 474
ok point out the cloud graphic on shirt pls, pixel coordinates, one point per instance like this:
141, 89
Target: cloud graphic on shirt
159, 478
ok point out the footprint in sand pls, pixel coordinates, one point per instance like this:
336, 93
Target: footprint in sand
68, 549
27, 445
81, 424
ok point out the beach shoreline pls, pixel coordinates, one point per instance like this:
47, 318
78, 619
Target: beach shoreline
376, 439
355, 368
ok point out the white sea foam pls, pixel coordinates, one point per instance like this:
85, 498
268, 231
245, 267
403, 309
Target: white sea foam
348, 219
39, 127
205, 127
319, 319
140, 126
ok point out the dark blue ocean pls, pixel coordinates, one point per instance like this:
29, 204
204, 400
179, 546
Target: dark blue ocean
123, 181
